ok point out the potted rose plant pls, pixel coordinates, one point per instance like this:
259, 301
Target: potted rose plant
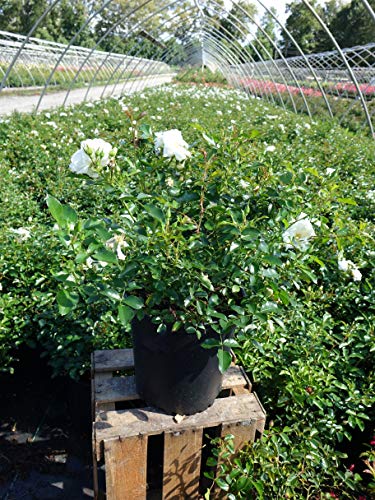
177, 261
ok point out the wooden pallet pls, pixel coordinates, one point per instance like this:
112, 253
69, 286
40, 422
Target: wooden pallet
121, 436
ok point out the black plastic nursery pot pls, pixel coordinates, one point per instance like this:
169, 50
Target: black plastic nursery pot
173, 372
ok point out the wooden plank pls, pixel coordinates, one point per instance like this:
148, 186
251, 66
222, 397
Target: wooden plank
248, 383
261, 422
182, 462
112, 389
126, 468
243, 432
113, 360
116, 389
122, 359
233, 377
99, 379
126, 423
93, 443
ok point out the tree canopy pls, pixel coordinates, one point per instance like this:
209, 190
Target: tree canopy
128, 26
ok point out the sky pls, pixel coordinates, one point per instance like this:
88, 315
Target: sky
278, 4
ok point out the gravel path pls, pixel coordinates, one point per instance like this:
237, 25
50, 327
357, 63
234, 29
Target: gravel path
27, 103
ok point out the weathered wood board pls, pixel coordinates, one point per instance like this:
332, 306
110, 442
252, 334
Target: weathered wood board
120, 437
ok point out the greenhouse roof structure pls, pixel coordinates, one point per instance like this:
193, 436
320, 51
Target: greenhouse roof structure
141, 43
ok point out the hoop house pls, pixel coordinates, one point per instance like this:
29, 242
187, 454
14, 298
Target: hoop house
149, 41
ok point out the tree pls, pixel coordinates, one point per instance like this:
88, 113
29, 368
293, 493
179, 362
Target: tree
303, 26
262, 47
30, 13
350, 24
10, 15
127, 27
329, 11
73, 16
233, 23
353, 25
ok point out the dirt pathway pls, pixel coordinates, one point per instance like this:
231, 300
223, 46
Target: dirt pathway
27, 103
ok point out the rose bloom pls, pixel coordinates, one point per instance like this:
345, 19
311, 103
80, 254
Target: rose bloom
344, 264
299, 234
92, 151
173, 144
349, 266
356, 274
22, 232
116, 244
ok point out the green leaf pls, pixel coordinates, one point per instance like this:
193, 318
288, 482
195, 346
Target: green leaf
286, 178
208, 139
63, 214
211, 462
250, 233
213, 300
145, 130
105, 255
225, 360
125, 314
238, 310
222, 484
134, 302
204, 279
273, 260
253, 133
317, 260
347, 201
66, 301
259, 487
112, 294
155, 212
210, 343
231, 343
177, 325
259, 346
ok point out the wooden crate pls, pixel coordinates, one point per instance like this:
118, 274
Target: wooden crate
123, 437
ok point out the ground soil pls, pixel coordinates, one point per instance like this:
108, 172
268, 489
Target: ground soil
45, 434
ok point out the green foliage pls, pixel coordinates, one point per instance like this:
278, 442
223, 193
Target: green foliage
199, 75
26, 76
305, 328
349, 22
262, 47
289, 462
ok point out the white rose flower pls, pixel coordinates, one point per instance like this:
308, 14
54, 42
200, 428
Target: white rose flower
173, 144
356, 274
270, 149
22, 232
344, 264
299, 234
52, 124
117, 243
347, 266
330, 170
92, 151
